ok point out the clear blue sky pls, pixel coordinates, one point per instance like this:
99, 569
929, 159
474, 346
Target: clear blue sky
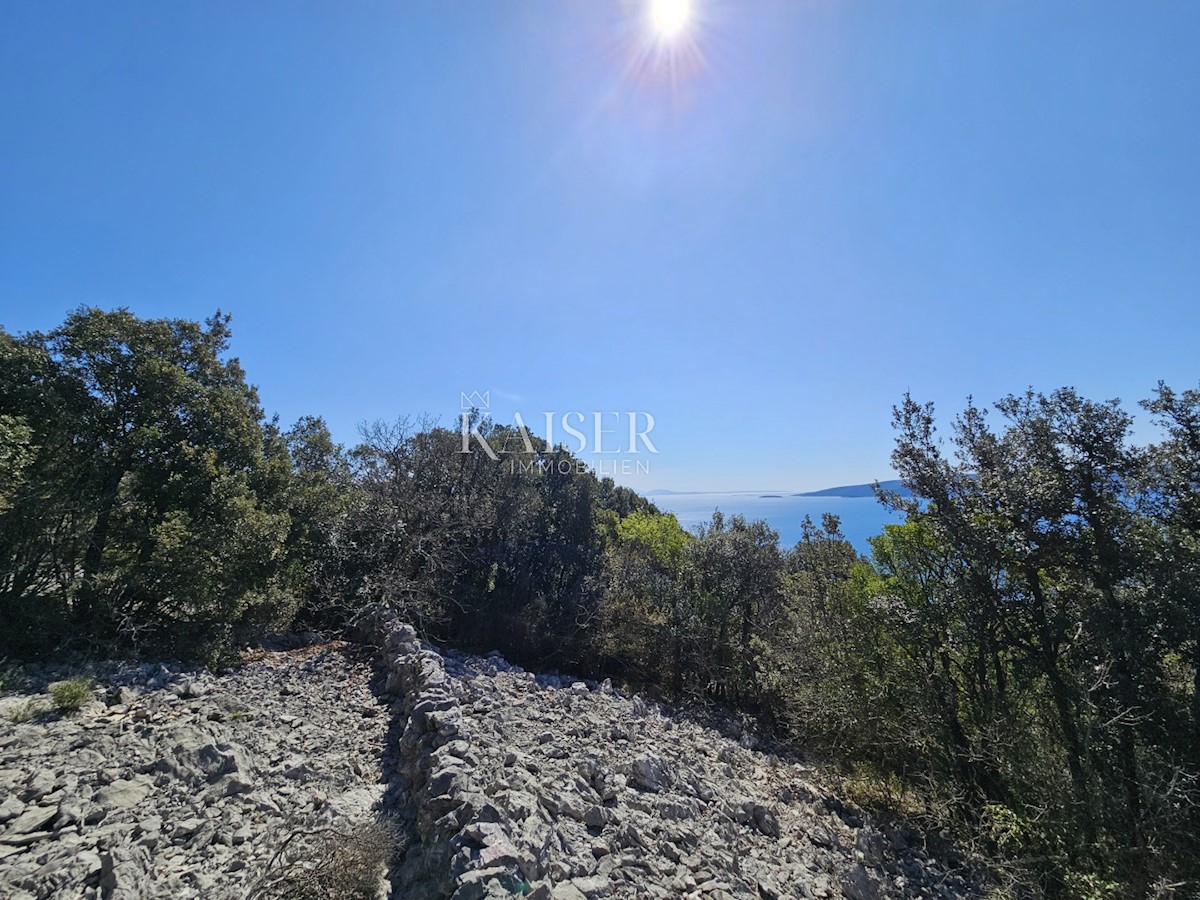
829, 203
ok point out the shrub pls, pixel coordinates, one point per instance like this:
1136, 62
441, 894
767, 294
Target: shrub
71, 695
347, 863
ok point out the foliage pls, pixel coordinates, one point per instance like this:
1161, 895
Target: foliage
488, 552
27, 711
71, 695
16, 453
1034, 597
147, 501
12, 677
642, 608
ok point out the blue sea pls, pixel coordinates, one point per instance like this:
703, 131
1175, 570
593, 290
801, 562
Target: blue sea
861, 517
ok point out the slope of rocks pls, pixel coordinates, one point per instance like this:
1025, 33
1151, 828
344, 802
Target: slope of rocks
183, 784
187, 785
548, 787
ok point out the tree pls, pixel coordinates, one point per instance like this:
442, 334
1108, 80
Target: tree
154, 506
16, 453
645, 619
1049, 569
733, 574
322, 495
1172, 498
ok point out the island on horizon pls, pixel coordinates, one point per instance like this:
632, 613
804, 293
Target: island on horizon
848, 490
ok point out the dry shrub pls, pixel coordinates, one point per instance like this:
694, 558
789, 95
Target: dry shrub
346, 863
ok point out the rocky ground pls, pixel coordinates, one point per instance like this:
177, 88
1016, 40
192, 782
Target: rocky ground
552, 787
172, 783
183, 784
603, 794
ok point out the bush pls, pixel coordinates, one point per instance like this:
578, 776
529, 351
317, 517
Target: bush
71, 695
349, 863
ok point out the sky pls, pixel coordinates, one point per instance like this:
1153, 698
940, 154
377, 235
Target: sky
761, 232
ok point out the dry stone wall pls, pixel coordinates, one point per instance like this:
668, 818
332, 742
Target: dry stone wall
548, 787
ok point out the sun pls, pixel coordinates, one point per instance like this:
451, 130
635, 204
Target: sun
670, 18
665, 40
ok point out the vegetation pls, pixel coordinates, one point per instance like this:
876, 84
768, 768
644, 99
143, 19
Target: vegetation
24, 712
1020, 659
71, 695
146, 501
12, 678
347, 863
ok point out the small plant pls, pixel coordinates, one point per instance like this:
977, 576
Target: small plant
71, 695
1090, 886
23, 713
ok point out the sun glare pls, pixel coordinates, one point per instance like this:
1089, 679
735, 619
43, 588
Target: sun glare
665, 41
670, 17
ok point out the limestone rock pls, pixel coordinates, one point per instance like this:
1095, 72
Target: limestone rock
506, 783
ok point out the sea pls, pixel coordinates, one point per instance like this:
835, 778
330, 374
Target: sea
861, 517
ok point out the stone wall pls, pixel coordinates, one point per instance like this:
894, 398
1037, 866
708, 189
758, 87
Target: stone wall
432, 764
516, 784
186, 784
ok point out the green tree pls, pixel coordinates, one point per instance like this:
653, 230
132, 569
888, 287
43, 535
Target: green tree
814, 669
1172, 497
645, 618
1055, 628
733, 574
487, 552
16, 453
155, 505
322, 494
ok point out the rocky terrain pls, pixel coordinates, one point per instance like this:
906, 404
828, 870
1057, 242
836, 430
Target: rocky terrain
185, 784
503, 783
556, 788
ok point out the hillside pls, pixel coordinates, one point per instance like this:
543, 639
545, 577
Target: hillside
182, 784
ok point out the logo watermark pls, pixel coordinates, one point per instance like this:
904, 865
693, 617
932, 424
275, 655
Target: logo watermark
619, 442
